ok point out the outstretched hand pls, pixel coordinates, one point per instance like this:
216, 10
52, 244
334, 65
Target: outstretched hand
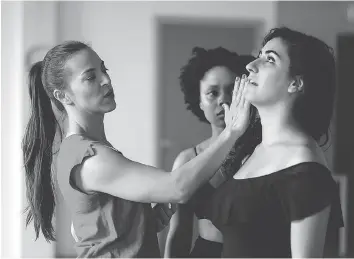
237, 115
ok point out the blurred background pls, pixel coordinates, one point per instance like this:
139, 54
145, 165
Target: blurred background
144, 45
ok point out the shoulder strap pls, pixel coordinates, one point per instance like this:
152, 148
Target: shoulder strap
195, 151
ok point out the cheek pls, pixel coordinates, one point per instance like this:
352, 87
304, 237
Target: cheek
89, 98
206, 103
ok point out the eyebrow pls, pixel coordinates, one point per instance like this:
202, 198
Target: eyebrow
88, 70
270, 51
91, 69
217, 87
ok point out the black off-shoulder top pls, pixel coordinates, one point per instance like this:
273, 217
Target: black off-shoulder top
255, 214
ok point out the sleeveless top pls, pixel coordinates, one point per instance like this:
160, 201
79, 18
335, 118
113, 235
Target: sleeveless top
106, 226
255, 214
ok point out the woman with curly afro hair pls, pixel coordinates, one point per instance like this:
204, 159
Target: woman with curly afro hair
207, 81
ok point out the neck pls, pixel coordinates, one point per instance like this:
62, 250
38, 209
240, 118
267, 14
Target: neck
215, 132
90, 125
278, 125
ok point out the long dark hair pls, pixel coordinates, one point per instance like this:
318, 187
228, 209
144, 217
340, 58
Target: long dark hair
37, 144
314, 61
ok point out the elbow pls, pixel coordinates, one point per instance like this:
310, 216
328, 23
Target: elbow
182, 195
184, 199
181, 190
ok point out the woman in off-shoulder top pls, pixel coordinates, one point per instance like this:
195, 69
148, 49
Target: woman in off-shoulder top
283, 200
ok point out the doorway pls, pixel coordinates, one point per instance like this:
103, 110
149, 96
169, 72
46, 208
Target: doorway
179, 128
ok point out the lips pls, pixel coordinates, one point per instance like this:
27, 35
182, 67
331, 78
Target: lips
252, 82
222, 112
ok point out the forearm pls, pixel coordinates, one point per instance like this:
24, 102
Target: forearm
189, 177
141, 183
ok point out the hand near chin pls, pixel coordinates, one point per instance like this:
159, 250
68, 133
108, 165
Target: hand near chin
237, 115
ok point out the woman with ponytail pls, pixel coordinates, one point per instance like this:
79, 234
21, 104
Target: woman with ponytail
108, 195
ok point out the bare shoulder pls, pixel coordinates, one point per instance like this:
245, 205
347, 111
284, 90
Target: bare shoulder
309, 152
183, 157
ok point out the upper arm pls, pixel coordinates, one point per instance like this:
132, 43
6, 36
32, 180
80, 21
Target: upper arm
110, 172
308, 235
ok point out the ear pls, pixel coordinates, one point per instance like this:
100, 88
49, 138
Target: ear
62, 97
297, 85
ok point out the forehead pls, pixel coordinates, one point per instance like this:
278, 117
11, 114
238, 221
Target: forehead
218, 75
278, 45
82, 60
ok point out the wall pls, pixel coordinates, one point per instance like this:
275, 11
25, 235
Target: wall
11, 74
32, 30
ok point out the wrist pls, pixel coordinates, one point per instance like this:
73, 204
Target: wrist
231, 135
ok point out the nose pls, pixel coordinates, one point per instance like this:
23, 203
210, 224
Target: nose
224, 98
252, 66
106, 80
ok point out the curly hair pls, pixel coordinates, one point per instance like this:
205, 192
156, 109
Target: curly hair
201, 61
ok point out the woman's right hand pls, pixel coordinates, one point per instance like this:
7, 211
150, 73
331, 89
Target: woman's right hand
237, 116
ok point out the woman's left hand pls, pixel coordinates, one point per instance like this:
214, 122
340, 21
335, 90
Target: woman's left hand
163, 213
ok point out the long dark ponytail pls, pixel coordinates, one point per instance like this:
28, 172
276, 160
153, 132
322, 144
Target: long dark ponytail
37, 150
37, 145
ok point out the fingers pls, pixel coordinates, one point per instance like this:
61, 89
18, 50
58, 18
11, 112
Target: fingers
163, 213
235, 90
238, 92
169, 212
242, 94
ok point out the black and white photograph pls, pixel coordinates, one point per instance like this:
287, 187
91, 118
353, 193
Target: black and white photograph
177, 129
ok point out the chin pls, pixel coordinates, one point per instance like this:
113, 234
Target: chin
251, 97
220, 124
111, 107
